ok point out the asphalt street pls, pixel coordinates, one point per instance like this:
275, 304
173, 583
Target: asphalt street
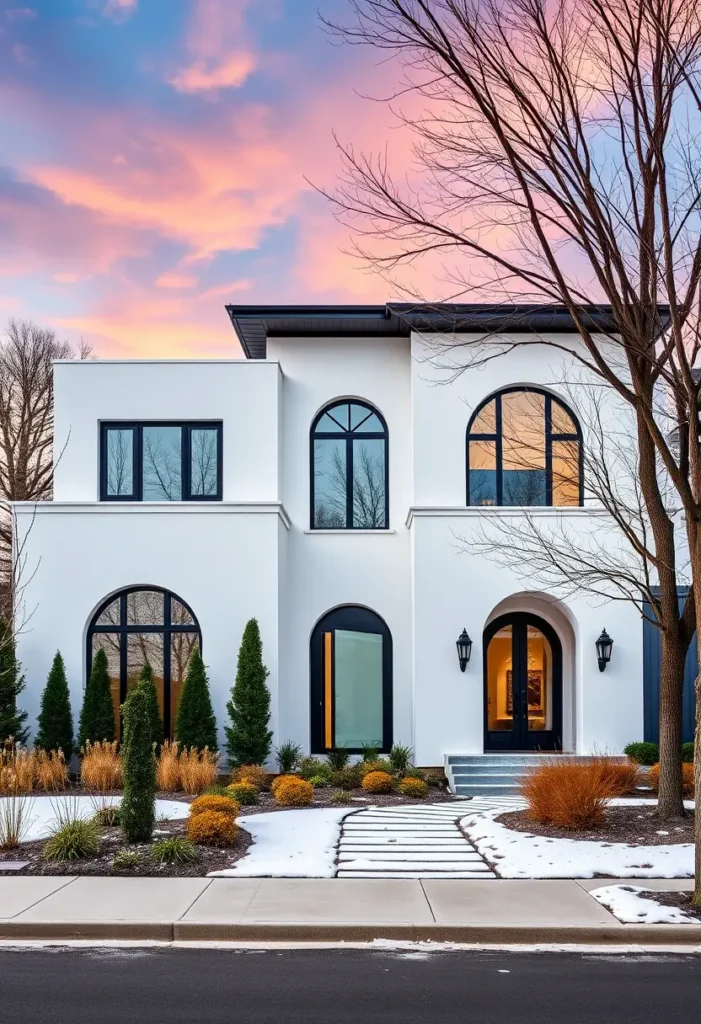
118, 986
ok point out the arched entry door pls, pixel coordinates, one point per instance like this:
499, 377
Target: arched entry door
522, 684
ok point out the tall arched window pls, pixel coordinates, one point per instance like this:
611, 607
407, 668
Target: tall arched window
140, 625
349, 468
351, 681
524, 447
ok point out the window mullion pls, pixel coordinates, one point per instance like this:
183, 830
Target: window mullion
349, 481
548, 452
185, 462
499, 451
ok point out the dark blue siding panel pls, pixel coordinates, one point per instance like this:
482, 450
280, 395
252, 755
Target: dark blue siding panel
651, 684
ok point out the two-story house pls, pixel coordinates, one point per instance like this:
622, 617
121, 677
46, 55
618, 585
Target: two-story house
329, 485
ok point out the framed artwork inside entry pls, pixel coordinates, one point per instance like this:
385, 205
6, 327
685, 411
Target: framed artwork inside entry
535, 690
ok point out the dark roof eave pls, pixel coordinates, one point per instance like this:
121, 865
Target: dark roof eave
255, 324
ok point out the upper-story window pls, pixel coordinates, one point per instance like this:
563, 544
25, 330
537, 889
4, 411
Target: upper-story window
524, 447
349, 468
161, 461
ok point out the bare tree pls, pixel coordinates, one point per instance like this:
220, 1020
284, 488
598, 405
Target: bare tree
331, 487
26, 423
557, 148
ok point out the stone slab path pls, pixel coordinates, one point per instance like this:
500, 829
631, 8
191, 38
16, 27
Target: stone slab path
421, 841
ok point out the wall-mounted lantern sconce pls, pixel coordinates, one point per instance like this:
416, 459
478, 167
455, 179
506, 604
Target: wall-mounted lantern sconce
464, 646
603, 649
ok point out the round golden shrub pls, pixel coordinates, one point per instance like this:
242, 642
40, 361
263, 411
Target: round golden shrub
378, 782
415, 788
653, 777
278, 781
220, 804
212, 828
253, 773
292, 792
244, 792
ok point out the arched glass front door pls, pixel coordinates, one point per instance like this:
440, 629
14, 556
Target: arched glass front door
522, 684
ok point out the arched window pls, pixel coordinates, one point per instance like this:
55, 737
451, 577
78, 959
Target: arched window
524, 447
349, 468
351, 681
142, 625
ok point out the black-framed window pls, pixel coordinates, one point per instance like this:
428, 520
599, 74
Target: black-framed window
161, 461
524, 447
349, 469
351, 681
139, 625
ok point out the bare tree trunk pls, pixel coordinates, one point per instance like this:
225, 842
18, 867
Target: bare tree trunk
670, 800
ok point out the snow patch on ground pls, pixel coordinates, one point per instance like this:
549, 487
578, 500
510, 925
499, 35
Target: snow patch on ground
522, 855
43, 810
290, 844
632, 904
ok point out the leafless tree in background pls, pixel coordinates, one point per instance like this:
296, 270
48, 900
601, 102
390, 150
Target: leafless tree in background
557, 148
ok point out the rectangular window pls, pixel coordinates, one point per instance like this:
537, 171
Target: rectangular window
161, 462
483, 472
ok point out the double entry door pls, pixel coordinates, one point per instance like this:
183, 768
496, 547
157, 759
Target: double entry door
522, 685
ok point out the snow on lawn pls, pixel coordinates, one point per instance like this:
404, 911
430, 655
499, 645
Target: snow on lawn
43, 810
290, 844
522, 855
634, 905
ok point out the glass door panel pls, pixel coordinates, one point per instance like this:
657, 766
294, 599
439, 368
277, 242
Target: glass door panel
500, 682
357, 696
539, 683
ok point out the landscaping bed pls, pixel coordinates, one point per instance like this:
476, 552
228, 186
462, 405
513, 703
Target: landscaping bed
635, 826
112, 842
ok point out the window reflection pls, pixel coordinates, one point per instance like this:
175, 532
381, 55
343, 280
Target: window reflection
524, 449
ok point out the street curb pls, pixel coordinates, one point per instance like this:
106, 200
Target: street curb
487, 934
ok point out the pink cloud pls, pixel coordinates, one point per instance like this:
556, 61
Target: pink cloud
119, 10
233, 71
172, 279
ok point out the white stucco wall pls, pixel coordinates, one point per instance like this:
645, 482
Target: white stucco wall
222, 562
244, 395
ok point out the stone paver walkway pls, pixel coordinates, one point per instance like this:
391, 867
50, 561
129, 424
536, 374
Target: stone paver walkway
421, 841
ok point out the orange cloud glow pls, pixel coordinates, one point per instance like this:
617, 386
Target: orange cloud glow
199, 78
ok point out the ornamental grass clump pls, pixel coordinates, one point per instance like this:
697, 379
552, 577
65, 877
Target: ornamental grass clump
174, 850
108, 816
73, 840
244, 792
653, 778
570, 793
211, 828
293, 792
198, 770
287, 756
378, 782
101, 767
168, 777
338, 758
400, 758
16, 818
126, 860
417, 789
17, 768
50, 770
221, 804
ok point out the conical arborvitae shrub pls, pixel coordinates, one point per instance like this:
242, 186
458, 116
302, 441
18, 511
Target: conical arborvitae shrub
137, 810
196, 725
248, 737
12, 720
97, 714
55, 727
147, 681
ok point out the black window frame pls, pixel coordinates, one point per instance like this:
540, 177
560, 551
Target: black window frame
348, 436
360, 619
550, 437
137, 427
166, 628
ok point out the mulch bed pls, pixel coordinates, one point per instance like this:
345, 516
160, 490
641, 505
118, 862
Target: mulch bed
210, 858
682, 900
634, 826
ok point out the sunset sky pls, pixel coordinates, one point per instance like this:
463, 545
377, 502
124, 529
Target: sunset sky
153, 165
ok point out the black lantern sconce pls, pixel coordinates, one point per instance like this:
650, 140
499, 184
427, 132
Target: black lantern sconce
464, 646
603, 649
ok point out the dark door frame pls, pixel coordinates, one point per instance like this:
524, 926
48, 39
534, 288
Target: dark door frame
520, 738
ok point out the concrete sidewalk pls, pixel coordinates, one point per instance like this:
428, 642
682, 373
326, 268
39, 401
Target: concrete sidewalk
305, 910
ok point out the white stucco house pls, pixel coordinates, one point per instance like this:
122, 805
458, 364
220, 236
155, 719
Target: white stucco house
328, 484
